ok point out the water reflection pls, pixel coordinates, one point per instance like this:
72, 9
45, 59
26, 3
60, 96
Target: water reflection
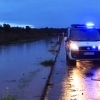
20, 67
80, 82
93, 83
78, 86
74, 85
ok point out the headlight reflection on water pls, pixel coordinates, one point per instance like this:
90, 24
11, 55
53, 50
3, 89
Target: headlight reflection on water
77, 86
73, 86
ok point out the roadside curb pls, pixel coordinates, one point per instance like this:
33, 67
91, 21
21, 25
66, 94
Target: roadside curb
48, 82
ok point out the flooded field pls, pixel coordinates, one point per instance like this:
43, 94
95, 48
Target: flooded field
22, 77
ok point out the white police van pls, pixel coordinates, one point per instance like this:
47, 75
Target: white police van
83, 43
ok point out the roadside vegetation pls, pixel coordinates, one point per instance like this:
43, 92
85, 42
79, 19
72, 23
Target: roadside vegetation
10, 34
47, 63
9, 97
54, 47
53, 50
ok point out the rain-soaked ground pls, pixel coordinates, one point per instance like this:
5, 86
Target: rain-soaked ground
80, 82
22, 77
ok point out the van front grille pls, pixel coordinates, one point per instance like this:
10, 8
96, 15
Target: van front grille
88, 48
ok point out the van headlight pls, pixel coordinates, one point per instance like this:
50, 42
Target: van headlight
99, 47
73, 46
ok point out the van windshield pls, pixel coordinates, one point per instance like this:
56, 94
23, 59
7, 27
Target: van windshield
85, 35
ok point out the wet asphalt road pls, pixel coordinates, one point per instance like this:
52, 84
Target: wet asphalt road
80, 82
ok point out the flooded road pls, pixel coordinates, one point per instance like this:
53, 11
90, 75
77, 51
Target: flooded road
22, 77
80, 82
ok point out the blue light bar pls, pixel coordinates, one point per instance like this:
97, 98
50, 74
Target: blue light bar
89, 24
93, 47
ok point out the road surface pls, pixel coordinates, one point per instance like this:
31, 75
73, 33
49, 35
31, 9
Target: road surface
80, 82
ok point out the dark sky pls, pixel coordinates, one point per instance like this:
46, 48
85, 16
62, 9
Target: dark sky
49, 13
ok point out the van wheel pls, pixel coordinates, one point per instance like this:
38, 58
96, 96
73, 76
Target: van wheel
71, 62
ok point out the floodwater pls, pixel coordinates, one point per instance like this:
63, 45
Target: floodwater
80, 82
22, 77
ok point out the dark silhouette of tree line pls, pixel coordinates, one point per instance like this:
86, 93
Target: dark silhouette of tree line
10, 34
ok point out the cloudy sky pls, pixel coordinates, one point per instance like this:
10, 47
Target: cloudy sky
49, 13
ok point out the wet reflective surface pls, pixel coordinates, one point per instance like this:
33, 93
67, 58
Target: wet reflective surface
80, 82
21, 74
83, 81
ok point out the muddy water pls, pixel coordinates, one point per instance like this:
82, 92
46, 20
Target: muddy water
21, 74
80, 82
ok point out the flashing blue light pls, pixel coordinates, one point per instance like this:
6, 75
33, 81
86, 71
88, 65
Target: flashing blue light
93, 47
90, 25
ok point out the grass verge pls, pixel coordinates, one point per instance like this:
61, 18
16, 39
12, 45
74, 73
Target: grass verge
53, 48
47, 63
9, 97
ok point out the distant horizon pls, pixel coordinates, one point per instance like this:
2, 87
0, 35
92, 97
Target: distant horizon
19, 25
31, 26
24, 25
